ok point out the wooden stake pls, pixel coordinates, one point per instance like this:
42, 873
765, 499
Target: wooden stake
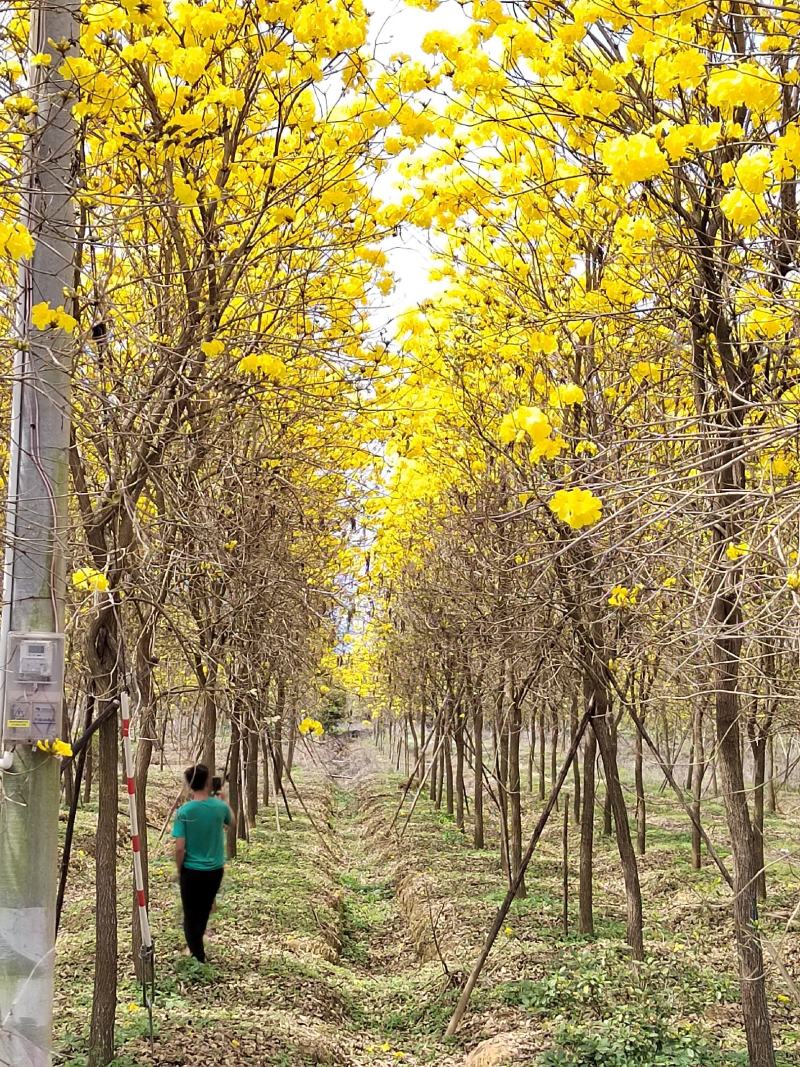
466, 993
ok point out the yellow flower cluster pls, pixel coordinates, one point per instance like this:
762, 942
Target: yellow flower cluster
90, 580
270, 366
576, 507
212, 348
736, 550
634, 159
311, 726
741, 208
534, 423
146, 509
15, 241
679, 140
59, 748
44, 317
623, 597
747, 84
645, 371
564, 395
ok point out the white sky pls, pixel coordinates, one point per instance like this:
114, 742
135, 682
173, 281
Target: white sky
396, 28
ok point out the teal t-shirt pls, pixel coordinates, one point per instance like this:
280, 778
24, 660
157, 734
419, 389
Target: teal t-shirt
201, 823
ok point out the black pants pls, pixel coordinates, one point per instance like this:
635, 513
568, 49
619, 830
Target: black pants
198, 889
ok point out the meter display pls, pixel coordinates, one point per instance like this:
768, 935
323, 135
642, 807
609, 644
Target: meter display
34, 687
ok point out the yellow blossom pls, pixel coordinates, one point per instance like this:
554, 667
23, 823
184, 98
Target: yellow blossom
44, 317
741, 208
59, 748
751, 171
263, 363
747, 84
623, 597
90, 580
634, 159
15, 241
576, 507
311, 726
184, 192
736, 550
212, 348
564, 395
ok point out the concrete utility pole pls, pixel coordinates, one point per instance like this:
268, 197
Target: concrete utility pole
36, 526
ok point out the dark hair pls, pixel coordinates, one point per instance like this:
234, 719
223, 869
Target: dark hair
196, 777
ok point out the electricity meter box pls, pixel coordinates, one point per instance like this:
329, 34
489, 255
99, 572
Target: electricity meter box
34, 688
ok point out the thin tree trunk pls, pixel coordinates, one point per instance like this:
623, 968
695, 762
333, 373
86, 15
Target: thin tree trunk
585, 891
88, 773
448, 766
479, 837
554, 750
727, 647
698, 773
422, 739
630, 870
277, 737
242, 825
608, 818
233, 779
163, 744
459, 738
542, 755
759, 747
576, 771
265, 768
102, 654
251, 768
641, 802
209, 751
291, 748
435, 760
502, 784
68, 775
69, 830
440, 773
772, 796
531, 749
515, 787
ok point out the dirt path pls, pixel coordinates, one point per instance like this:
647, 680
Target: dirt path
397, 992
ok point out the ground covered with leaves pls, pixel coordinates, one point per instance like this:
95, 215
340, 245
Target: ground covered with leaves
339, 939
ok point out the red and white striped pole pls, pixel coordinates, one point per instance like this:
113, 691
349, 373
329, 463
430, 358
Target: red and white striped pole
138, 876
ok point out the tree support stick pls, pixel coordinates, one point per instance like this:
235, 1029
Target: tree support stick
309, 816
280, 779
413, 775
503, 910
418, 794
679, 792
